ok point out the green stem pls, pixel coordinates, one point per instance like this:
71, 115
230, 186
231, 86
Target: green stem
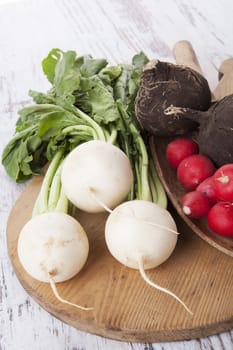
81, 129
55, 189
50, 193
141, 155
124, 143
144, 166
113, 135
138, 182
161, 197
63, 203
153, 189
90, 121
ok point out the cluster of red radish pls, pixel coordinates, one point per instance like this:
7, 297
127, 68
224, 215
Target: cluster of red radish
209, 189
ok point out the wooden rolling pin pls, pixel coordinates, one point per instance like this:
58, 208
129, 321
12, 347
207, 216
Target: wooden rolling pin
225, 85
185, 55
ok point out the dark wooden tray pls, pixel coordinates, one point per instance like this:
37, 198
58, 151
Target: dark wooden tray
175, 192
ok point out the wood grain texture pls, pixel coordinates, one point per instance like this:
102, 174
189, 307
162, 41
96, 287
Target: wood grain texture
125, 308
115, 29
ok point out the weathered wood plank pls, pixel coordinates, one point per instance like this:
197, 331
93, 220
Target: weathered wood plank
115, 29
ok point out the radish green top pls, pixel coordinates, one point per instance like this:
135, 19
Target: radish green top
88, 100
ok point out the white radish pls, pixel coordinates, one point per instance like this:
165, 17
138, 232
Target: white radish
142, 235
53, 247
96, 175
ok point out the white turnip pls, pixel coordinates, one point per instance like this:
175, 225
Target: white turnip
96, 175
53, 247
142, 235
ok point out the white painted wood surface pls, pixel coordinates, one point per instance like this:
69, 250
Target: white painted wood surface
115, 29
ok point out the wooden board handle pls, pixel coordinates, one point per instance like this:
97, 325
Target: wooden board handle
185, 55
225, 84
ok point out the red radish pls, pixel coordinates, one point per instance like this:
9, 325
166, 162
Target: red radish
220, 218
179, 149
195, 204
223, 182
208, 189
193, 170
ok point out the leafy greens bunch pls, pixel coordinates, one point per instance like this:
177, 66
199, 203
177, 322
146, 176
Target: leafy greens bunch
88, 99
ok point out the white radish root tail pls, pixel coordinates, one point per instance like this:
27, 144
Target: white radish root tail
64, 301
104, 206
158, 225
156, 286
147, 222
99, 201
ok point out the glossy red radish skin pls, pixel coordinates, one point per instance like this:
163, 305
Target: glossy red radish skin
180, 149
223, 182
195, 204
193, 170
208, 189
220, 218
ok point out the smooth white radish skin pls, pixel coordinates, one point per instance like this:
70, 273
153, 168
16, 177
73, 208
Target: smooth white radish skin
141, 235
53, 246
96, 175
130, 233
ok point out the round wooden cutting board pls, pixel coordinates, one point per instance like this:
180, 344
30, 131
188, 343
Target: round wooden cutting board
125, 307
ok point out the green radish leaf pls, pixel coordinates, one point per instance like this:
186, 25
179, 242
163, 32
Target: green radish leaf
109, 74
139, 60
91, 66
42, 98
103, 105
49, 64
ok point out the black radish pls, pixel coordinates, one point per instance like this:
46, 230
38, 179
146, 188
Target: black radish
166, 95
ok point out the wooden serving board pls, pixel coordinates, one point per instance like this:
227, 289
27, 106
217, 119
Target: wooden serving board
125, 307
